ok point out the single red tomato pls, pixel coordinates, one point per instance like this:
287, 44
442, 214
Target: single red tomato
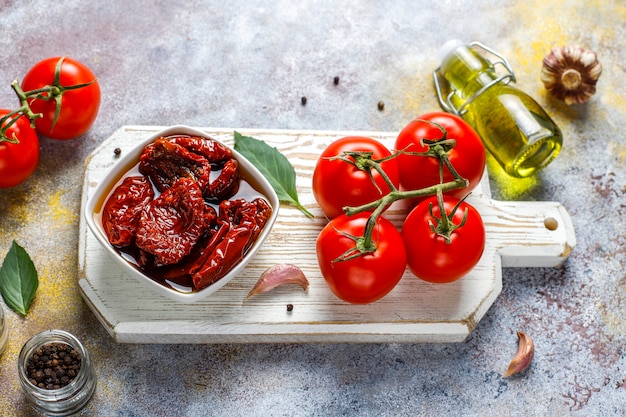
430, 256
79, 107
467, 156
337, 183
366, 278
18, 160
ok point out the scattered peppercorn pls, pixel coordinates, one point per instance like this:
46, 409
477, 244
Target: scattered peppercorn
289, 307
381, 106
336, 80
53, 365
117, 151
303, 100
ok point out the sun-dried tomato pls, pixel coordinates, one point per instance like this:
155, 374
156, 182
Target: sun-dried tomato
225, 185
164, 162
240, 212
216, 153
123, 208
169, 158
240, 223
173, 222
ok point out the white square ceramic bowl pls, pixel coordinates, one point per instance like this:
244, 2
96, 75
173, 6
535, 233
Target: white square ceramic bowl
93, 214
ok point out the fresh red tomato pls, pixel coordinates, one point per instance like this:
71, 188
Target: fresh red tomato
429, 255
368, 277
79, 107
18, 160
338, 183
467, 156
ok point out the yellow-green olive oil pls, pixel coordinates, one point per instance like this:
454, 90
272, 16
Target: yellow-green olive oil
513, 126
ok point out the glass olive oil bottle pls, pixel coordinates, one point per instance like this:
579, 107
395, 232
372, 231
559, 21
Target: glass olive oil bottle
514, 128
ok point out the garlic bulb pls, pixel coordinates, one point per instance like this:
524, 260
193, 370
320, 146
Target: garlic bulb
570, 73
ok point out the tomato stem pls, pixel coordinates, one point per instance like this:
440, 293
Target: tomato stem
11, 117
5, 126
444, 226
363, 160
25, 108
394, 196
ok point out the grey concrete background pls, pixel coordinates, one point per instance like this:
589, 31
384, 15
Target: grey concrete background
245, 65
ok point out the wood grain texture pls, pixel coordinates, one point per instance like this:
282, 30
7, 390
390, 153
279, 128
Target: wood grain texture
414, 311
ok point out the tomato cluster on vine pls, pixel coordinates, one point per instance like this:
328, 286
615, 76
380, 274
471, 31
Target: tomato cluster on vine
59, 98
437, 160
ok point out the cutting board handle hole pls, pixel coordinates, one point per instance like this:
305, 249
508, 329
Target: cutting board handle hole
550, 223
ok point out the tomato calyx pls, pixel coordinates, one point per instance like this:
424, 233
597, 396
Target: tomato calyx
49, 92
364, 161
6, 122
444, 226
362, 245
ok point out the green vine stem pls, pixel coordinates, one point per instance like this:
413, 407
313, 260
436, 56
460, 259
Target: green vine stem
444, 226
437, 148
10, 118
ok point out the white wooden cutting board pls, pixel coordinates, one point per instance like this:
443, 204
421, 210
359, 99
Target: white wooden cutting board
415, 311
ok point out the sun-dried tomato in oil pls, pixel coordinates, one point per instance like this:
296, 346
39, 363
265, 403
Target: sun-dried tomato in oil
165, 162
173, 222
123, 208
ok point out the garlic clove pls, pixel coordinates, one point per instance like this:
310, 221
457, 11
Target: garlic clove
277, 275
523, 357
570, 73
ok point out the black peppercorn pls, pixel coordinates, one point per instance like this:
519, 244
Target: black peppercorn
117, 151
53, 366
381, 106
303, 100
289, 307
336, 80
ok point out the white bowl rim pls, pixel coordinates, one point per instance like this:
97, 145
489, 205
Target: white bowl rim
106, 184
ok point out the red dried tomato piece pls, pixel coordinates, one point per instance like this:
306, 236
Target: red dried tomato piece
123, 208
165, 162
173, 222
181, 271
225, 185
240, 223
216, 153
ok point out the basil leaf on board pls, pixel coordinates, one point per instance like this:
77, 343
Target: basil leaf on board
18, 279
274, 166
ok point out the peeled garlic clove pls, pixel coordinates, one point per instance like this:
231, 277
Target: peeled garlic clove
523, 357
276, 276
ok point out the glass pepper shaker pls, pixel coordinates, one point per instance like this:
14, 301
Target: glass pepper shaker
34, 373
513, 126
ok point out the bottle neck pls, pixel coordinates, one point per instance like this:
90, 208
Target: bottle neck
467, 72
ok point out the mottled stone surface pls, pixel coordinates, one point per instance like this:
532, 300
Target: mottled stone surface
247, 64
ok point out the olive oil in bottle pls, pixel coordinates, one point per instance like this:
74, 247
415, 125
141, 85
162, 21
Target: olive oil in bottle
514, 128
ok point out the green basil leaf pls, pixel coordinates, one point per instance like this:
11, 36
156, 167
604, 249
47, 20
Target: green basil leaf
18, 279
274, 166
